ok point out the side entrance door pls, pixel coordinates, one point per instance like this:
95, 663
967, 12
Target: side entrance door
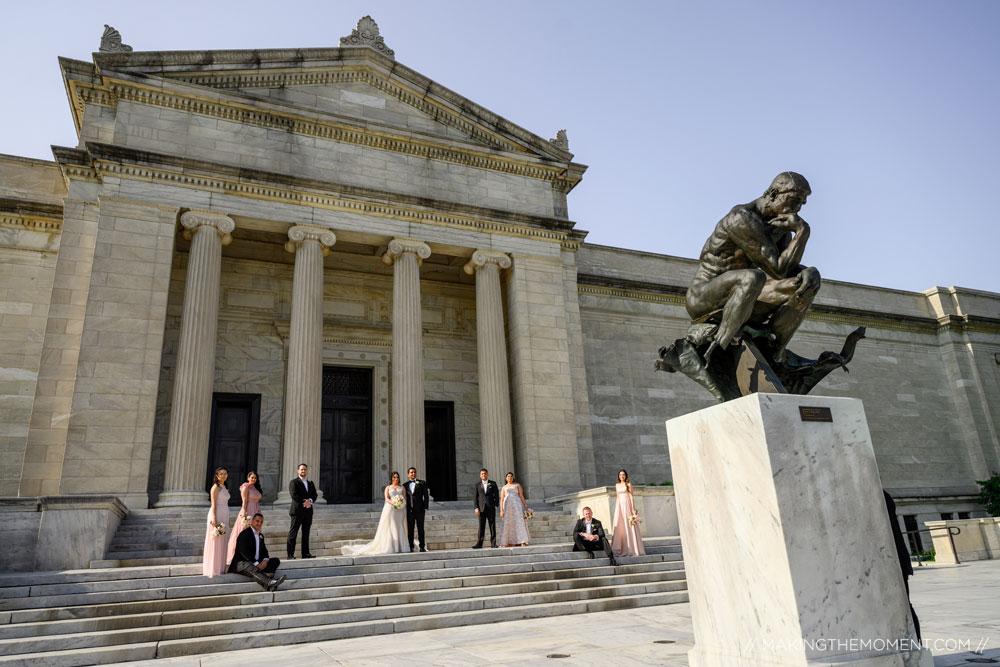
346, 435
439, 428
233, 439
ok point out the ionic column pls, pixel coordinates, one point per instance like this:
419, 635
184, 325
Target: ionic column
405, 256
191, 408
304, 379
494, 385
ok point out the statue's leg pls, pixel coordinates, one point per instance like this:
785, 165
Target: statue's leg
735, 292
791, 310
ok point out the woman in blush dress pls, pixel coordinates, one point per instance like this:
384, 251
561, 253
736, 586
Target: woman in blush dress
214, 559
251, 494
390, 536
626, 540
513, 511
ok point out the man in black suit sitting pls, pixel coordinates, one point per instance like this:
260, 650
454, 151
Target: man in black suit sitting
588, 535
303, 493
486, 503
417, 500
251, 557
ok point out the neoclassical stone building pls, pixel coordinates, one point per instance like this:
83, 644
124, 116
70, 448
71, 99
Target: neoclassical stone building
257, 258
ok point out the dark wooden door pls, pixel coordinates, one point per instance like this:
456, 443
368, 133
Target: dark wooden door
345, 470
233, 439
439, 426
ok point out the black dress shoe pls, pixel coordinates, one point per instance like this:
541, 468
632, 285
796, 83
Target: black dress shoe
308, 556
590, 555
273, 586
423, 550
614, 563
493, 544
291, 557
477, 546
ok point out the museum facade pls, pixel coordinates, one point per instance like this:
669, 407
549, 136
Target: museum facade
260, 258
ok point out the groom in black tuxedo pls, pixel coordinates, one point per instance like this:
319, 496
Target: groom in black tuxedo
303, 493
251, 558
487, 501
588, 535
417, 500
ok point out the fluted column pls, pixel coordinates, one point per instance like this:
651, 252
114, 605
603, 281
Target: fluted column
405, 256
304, 380
191, 408
491, 343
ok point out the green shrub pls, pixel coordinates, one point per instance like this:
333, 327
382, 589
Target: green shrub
928, 556
989, 494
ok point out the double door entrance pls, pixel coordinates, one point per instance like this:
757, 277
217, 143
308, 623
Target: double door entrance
347, 447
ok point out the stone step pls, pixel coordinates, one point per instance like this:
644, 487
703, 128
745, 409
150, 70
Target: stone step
155, 558
320, 585
671, 580
143, 629
326, 567
666, 570
280, 636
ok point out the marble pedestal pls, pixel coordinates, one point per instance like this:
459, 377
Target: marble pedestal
787, 546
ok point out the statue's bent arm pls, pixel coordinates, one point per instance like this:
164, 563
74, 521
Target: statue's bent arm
752, 237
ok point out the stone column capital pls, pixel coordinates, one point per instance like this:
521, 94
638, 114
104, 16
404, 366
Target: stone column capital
299, 234
399, 247
193, 219
481, 258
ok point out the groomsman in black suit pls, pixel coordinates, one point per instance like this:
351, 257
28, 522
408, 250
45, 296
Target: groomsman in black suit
487, 501
588, 535
417, 500
303, 493
251, 557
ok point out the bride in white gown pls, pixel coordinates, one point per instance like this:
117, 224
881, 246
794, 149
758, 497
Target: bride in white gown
390, 536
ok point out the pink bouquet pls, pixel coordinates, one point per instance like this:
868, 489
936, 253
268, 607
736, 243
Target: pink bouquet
220, 530
528, 514
634, 520
398, 502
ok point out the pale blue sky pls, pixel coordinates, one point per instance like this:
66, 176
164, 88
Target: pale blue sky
681, 109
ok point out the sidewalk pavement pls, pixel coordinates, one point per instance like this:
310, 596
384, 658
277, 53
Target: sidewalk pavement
958, 608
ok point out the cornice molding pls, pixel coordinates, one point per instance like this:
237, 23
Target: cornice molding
112, 91
31, 223
674, 295
251, 190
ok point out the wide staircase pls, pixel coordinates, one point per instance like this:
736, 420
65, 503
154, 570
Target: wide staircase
149, 599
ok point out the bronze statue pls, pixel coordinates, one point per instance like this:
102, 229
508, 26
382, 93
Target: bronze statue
748, 298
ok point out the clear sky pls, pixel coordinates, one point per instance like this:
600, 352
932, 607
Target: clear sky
891, 109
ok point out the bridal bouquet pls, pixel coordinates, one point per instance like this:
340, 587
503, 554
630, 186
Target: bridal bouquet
528, 514
398, 502
634, 520
220, 530
247, 521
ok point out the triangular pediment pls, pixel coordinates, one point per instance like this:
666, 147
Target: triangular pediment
358, 83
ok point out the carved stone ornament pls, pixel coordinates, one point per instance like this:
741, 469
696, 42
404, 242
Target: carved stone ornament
366, 34
111, 41
299, 234
481, 258
399, 247
561, 140
195, 218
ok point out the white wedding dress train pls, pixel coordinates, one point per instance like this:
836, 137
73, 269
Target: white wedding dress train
390, 536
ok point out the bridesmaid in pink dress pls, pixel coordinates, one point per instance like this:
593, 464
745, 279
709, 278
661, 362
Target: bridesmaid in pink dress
250, 493
626, 540
214, 559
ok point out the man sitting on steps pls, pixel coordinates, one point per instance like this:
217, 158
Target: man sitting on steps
588, 535
251, 557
